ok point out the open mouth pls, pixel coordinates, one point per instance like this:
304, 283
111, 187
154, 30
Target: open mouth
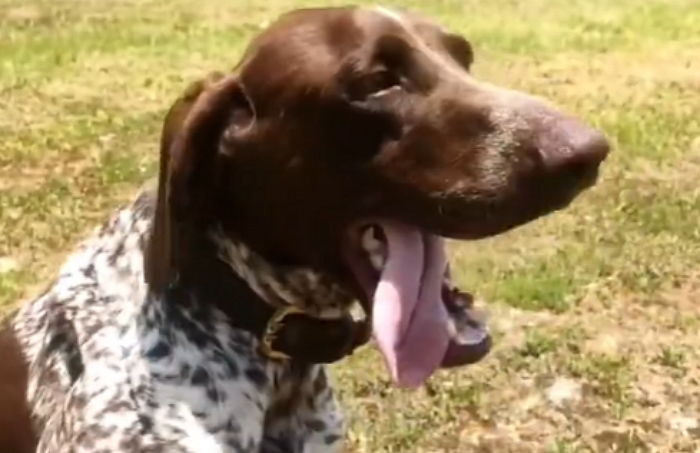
420, 321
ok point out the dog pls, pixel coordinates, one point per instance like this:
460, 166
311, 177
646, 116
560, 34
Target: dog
321, 174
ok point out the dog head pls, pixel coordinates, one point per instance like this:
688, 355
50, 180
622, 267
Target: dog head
351, 141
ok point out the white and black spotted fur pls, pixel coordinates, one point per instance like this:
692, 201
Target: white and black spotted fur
114, 369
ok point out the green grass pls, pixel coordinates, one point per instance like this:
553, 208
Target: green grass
84, 85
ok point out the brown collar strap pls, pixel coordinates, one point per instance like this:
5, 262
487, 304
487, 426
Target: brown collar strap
284, 333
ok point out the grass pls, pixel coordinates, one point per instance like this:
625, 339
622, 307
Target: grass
603, 295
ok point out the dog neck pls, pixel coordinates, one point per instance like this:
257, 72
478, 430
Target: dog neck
313, 292
295, 313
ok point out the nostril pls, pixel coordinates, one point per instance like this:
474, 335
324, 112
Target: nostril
573, 158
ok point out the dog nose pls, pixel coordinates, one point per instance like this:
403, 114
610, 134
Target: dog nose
567, 142
570, 148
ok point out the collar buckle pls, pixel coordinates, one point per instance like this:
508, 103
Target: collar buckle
274, 325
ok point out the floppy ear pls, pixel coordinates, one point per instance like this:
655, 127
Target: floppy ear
189, 142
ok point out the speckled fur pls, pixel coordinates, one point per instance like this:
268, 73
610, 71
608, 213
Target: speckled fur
115, 369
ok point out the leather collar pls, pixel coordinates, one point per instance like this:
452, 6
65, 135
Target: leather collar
284, 333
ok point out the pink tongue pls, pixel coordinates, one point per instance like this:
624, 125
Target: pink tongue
409, 317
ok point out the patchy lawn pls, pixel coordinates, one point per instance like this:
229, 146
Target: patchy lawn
596, 309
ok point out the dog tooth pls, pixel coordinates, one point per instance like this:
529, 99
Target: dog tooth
375, 248
478, 316
377, 260
369, 242
470, 335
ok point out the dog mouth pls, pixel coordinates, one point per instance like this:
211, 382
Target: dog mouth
420, 321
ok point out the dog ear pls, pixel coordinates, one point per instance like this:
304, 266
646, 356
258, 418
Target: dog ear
190, 141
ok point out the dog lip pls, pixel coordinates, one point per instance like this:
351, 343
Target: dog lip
458, 355
530, 206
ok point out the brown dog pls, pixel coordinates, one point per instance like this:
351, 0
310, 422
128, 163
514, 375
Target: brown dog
328, 166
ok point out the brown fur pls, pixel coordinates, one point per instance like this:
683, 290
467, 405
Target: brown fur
292, 147
16, 435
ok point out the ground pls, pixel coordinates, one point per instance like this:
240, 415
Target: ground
595, 309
